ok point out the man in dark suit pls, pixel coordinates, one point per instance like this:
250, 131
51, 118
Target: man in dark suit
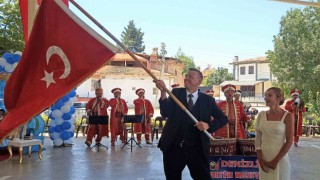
182, 141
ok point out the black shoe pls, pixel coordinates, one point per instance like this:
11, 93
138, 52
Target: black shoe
88, 143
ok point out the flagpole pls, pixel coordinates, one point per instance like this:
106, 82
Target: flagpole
137, 61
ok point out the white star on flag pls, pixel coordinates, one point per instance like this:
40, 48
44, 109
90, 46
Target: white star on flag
48, 78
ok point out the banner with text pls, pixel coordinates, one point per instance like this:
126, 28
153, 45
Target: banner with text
234, 167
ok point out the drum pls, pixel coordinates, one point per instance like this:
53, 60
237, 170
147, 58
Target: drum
223, 147
247, 147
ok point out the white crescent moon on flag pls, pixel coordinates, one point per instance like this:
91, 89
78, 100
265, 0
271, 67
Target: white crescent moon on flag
58, 51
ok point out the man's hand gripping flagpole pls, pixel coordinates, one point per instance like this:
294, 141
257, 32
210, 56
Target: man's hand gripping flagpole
137, 61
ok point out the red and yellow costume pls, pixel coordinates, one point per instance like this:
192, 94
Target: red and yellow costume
143, 107
236, 116
119, 108
297, 112
97, 107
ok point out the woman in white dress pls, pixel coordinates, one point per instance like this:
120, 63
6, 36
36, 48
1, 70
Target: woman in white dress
274, 137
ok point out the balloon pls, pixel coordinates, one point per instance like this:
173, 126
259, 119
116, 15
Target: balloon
72, 119
3, 62
18, 52
8, 67
65, 108
57, 114
65, 135
72, 128
16, 57
71, 134
58, 142
66, 116
65, 98
53, 108
55, 135
14, 65
51, 117
51, 130
69, 103
58, 128
52, 123
66, 125
10, 60
6, 55
59, 121
59, 104
74, 99
72, 94
72, 110
2, 69
51, 137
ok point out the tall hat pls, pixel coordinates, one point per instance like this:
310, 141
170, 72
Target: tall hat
295, 92
238, 92
228, 87
174, 85
209, 91
115, 90
139, 90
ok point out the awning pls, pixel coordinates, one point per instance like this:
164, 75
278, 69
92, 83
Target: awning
241, 83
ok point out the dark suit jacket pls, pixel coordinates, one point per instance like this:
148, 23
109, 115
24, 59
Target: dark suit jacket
169, 109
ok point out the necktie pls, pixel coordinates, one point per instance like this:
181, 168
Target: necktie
190, 102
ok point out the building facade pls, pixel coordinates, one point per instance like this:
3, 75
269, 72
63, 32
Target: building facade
123, 72
253, 77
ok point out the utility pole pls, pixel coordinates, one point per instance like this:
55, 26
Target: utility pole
163, 55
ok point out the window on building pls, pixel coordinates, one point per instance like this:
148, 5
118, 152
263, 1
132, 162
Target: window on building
242, 70
248, 91
251, 70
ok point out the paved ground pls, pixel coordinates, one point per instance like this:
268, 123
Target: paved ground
79, 162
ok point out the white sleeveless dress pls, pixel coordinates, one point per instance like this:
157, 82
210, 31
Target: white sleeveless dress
270, 137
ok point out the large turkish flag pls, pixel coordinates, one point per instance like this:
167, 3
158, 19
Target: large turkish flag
61, 52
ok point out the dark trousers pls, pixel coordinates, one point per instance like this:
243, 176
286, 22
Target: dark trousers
177, 158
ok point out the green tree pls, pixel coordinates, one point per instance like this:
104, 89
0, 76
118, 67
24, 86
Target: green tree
132, 37
217, 77
11, 33
186, 60
295, 60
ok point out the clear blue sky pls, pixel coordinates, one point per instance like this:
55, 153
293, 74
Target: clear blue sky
210, 31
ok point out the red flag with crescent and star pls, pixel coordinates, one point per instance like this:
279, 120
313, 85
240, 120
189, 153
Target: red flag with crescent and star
62, 51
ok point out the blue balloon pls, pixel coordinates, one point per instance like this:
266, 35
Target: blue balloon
51, 117
72, 110
71, 134
53, 108
10, 60
66, 125
2, 69
51, 130
51, 137
58, 128
66, 116
65, 135
16, 57
59, 104
72, 94
65, 98
6, 55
